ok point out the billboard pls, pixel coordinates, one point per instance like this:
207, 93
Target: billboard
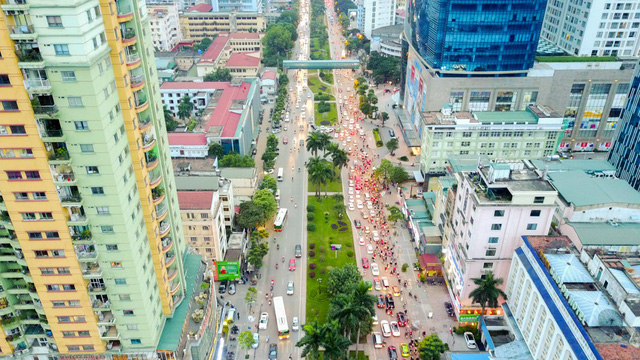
226, 270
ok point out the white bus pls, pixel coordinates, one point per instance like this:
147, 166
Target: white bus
281, 317
280, 174
280, 218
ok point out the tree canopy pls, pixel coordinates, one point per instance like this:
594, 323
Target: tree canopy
216, 150
393, 145
385, 68
277, 43
268, 182
288, 17
204, 44
234, 159
342, 280
431, 347
220, 74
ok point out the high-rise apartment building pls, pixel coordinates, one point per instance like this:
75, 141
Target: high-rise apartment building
91, 235
165, 26
625, 154
593, 28
377, 14
471, 37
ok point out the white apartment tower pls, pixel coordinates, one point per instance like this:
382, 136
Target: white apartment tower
378, 13
593, 28
165, 26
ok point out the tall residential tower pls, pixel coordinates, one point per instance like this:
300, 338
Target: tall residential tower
91, 242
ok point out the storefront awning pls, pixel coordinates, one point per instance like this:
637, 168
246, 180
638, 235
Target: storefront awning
418, 176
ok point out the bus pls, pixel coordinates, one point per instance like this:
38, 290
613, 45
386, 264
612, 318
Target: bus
281, 317
280, 219
280, 174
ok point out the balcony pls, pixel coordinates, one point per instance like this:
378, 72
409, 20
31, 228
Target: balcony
37, 86
96, 288
125, 10
157, 198
70, 196
144, 124
161, 212
128, 36
164, 228
142, 103
51, 134
106, 318
137, 83
174, 287
148, 142
156, 179
11, 6
91, 270
110, 334
167, 244
100, 302
22, 33
151, 161
172, 274
63, 175
86, 253
133, 60
30, 58
169, 259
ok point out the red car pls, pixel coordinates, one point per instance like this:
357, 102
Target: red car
365, 262
292, 264
357, 224
402, 319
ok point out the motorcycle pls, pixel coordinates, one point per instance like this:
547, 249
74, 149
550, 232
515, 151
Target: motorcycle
283, 259
277, 246
276, 266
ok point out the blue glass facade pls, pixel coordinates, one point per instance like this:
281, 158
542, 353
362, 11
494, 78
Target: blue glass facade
476, 35
625, 153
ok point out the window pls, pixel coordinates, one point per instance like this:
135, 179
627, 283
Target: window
69, 287
39, 196
487, 266
102, 210
116, 264
535, 213
68, 76
52, 234
92, 170
107, 229
75, 101
53, 287
136, 342
490, 252
10, 105
74, 303
41, 253
59, 304
47, 271
4, 80
86, 148
64, 271
14, 175
81, 125
538, 200
35, 235
28, 216
120, 281
46, 216
532, 226
32, 175
57, 253
83, 333
97, 190
112, 247
127, 312
493, 240
54, 21
124, 297
21, 196
132, 326
498, 213
496, 226
72, 347
89, 15
61, 49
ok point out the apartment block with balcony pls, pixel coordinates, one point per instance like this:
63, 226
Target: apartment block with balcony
203, 222
85, 167
493, 206
165, 26
201, 21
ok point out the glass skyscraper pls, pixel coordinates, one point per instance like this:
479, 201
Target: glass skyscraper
462, 36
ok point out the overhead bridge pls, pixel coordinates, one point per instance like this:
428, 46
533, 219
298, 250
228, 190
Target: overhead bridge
320, 64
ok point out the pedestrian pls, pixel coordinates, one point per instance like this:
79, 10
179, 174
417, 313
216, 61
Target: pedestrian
238, 315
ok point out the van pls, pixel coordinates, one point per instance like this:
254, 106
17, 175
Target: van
230, 316
278, 195
280, 174
298, 250
377, 340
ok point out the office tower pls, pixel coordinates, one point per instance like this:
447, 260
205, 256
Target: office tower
92, 233
464, 37
377, 14
593, 28
625, 153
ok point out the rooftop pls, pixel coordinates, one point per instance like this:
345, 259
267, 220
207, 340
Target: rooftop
589, 166
195, 200
534, 114
605, 234
581, 189
187, 138
200, 8
215, 49
244, 59
197, 183
269, 74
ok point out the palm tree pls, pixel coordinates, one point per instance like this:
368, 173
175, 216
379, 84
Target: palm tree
487, 292
392, 145
327, 174
340, 159
314, 176
312, 339
324, 140
364, 303
185, 108
168, 115
343, 309
314, 142
335, 344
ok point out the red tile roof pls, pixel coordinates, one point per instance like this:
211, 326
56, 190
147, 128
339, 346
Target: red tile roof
215, 49
269, 75
244, 59
200, 8
195, 200
187, 138
400, 12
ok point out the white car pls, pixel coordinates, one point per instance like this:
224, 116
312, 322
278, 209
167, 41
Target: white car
369, 249
395, 330
385, 282
376, 235
264, 321
369, 205
386, 330
351, 199
295, 324
374, 269
470, 340
351, 207
361, 132
361, 241
290, 288
372, 213
256, 340
351, 191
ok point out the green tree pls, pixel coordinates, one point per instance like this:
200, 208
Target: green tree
345, 312
276, 43
268, 182
392, 145
185, 108
398, 175
288, 17
233, 159
339, 207
245, 340
385, 117
220, 74
272, 143
266, 200
342, 280
204, 44
394, 213
216, 150
250, 215
431, 347
335, 344
384, 171
169, 121
251, 297
256, 252
314, 142
339, 157
364, 303
487, 292
320, 173
312, 340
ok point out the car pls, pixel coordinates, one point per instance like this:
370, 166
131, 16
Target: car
470, 340
372, 213
365, 263
392, 134
222, 288
386, 330
374, 269
393, 354
369, 205
351, 207
385, 282
298, 251
351, 191
381, 303
363, 213
378, 343
285, 128
375, 319
376, 236
395, 330
232, 289
396, 291
264, 321
377, 283
359, 204
369, 249
404, 350
295, 324
301, 142
367, 230
389, 300
361, 241
284, 140
273, 351
402, 318
290, 288
256, 340
292, 264
357, 223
